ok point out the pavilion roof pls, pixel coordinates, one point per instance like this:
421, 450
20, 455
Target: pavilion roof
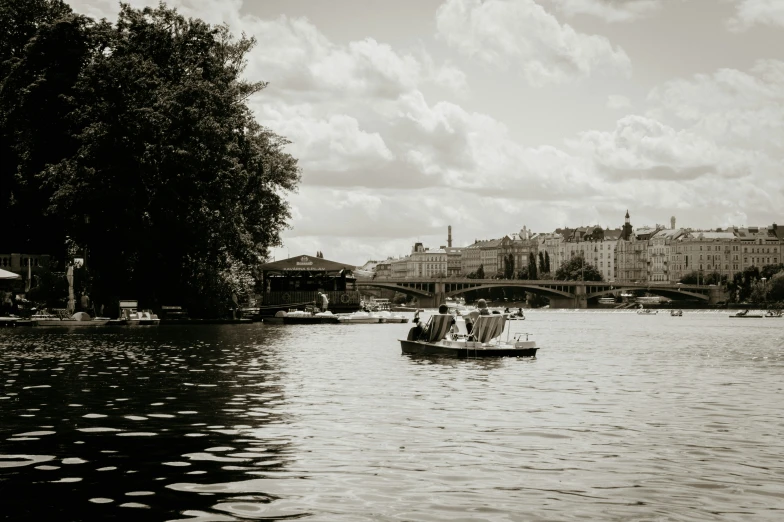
306, 264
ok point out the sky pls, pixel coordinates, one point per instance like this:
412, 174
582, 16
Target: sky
408, 116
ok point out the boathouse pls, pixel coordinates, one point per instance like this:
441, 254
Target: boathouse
295, 283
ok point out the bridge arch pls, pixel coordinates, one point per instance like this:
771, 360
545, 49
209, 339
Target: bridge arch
676, 294
538, 290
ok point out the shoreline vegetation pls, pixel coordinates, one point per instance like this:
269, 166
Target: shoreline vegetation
131, 146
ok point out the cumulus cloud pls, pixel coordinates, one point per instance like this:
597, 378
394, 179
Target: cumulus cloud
522, 35
384, 165
609, 10
762, 12
728, 105
647, 148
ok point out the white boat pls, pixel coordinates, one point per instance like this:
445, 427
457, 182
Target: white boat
391, 317
142, 318
676, 313
483, 341
359, 318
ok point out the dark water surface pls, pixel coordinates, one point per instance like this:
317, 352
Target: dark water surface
620, 417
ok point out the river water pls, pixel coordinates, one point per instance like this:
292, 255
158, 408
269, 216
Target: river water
619, 417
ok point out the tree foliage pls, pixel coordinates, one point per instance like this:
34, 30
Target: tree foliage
576, 269
531, 266
135, 140
509, 266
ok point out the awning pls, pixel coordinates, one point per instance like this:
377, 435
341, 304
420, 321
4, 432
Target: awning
305, 264
6, 275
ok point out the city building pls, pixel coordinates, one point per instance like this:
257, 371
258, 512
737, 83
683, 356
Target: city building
662, 254
424, 262
520, 247
760, 246
631, 253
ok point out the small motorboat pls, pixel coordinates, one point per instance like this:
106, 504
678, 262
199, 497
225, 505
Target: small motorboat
438, 338
676, 313
745, 315
359, 318
774, 313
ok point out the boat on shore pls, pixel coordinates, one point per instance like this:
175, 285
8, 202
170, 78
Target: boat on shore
79, 319
391, 317
484, 340
745, 315
359, 318
302, 317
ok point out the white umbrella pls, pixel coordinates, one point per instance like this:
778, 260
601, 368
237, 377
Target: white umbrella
5, 274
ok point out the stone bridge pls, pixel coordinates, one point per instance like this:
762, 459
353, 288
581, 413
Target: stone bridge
562, 294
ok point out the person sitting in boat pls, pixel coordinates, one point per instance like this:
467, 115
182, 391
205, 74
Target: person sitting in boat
481, 306
420, 331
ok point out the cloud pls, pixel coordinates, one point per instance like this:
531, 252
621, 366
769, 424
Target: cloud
609, 10
385, 165
729, 105
753, 12
522, 35
616, 101
646, 148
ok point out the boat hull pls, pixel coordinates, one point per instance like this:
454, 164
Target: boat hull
745, 317
308, 320
423, 348
70, 323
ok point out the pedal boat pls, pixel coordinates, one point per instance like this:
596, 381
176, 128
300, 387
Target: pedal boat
484, 340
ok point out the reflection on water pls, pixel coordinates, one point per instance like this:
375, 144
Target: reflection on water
620, 417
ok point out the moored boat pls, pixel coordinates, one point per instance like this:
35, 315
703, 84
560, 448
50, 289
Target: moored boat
483, 341
391, 317
359, 318
774, 313
676, 313
80, 319
745, 315
647, 311
303, 317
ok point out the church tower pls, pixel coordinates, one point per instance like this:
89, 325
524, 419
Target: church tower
626, 233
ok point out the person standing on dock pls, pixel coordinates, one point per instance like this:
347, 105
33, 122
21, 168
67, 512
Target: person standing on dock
323, 301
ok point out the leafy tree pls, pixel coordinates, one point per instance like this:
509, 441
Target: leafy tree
42, 53
509, 266
776, 288
480, 272
136, 140
696, 278
541, 263
547, 262
522, 273
531, 266
576, 269
768, 271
